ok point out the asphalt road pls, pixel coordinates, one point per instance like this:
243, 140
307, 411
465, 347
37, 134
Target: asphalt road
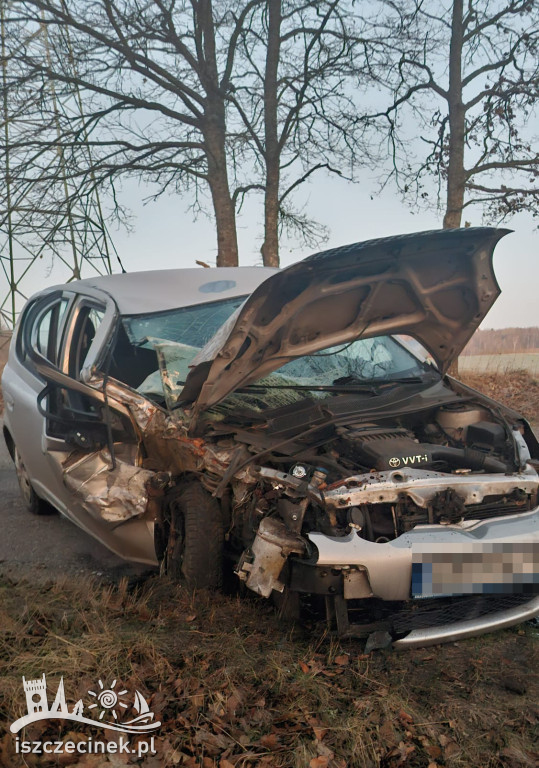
42, 547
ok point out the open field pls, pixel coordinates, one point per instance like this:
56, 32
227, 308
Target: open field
500, 364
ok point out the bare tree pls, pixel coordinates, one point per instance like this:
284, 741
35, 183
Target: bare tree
297, 104
153, 79
187, 94
467, 79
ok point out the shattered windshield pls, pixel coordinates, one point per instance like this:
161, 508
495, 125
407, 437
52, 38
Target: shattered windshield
165, 343
193, 326
169, 341
363, 360
357, 366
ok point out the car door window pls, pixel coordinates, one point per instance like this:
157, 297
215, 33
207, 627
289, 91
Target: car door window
43, 333
88, 321
72, 415
43, 328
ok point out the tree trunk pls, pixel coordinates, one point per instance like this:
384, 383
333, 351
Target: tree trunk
456, 176
223, 206
270, 246
455, 171
214, 131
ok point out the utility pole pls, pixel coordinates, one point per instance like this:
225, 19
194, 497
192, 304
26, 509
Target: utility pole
77, 241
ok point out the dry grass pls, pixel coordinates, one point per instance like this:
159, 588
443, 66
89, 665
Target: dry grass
234, 687
516, 389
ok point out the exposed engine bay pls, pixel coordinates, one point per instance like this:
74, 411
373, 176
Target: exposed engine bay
314, 466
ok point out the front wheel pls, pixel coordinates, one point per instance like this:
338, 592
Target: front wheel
195, 542
33, 503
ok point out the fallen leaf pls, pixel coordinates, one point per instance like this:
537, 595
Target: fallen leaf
404, 717
270, 741
117, 760
143, 613
213, 742
451, 750
343, 660
234, 702
324, 751
516, 757
319, 762
319, 732
7, 751
172, 756
197, 700
313, 667
154, 761
158, 702
318, 728
388, 735
190, 762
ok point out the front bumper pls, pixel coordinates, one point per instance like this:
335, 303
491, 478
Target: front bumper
459, 630
494, 556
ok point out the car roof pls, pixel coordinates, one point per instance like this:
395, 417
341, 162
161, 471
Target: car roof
158, 290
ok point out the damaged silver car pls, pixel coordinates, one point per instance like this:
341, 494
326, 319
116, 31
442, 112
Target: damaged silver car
280, 424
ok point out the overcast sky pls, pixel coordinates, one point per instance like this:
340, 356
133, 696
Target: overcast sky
165, 235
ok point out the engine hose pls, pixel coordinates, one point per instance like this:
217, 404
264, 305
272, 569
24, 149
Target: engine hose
467, 458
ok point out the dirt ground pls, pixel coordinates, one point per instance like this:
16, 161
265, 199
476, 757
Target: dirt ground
233, 687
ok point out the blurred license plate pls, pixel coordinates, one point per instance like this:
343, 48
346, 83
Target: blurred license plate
475, 569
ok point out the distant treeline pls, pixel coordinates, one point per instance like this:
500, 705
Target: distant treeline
503, 340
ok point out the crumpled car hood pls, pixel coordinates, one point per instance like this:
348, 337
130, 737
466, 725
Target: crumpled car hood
435, 286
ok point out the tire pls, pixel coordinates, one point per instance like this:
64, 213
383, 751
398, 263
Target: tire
33, 503
196, 537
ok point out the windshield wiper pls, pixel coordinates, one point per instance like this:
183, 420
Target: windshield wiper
351, 381
404, 380
366, 386
309, 388
251, 388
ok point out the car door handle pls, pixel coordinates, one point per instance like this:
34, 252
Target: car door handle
9, 401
